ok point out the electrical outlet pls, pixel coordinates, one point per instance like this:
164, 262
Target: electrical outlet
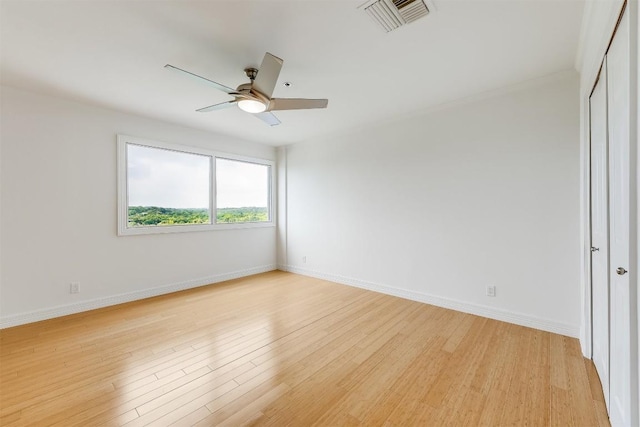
491, 291
304, 259
74, 288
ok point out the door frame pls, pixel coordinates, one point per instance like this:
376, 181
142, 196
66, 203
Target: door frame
605, 24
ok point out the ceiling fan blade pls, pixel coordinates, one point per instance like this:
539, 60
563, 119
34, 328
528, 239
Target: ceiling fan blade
202, 79
268, 74
296, 104
268, 118
219, 106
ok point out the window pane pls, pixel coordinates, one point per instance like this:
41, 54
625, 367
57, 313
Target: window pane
166, 187
242, 191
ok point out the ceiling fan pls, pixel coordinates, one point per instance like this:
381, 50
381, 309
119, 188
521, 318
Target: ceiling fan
255, 97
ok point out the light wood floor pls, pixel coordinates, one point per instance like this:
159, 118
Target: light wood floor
281, 349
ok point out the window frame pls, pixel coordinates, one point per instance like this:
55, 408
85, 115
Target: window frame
123, 197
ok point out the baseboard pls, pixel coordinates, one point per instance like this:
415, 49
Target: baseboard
63, 310
465, 307
479, 310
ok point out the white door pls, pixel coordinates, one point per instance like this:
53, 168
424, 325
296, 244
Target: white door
623, 388
600, 229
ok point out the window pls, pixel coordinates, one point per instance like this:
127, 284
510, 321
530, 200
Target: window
167, 187
171, 188
242, 191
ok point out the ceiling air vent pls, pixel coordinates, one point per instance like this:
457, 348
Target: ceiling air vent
410, 10
391, 14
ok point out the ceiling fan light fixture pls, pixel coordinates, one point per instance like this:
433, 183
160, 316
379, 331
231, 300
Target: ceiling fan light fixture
251, 106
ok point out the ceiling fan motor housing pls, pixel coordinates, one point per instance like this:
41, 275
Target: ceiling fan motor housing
251, 73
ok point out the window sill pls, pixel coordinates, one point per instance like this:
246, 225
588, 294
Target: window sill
192, 228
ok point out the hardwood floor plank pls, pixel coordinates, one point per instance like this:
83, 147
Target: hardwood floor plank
596, 393
315, 393
198, 386
558, 362
189, 398
111, 405
580, 392
563, 414
192, 418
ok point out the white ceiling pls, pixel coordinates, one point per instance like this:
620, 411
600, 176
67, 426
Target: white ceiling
112, 53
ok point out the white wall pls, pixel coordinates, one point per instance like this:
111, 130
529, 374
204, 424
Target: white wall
440, 205
281, 239
58, 214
